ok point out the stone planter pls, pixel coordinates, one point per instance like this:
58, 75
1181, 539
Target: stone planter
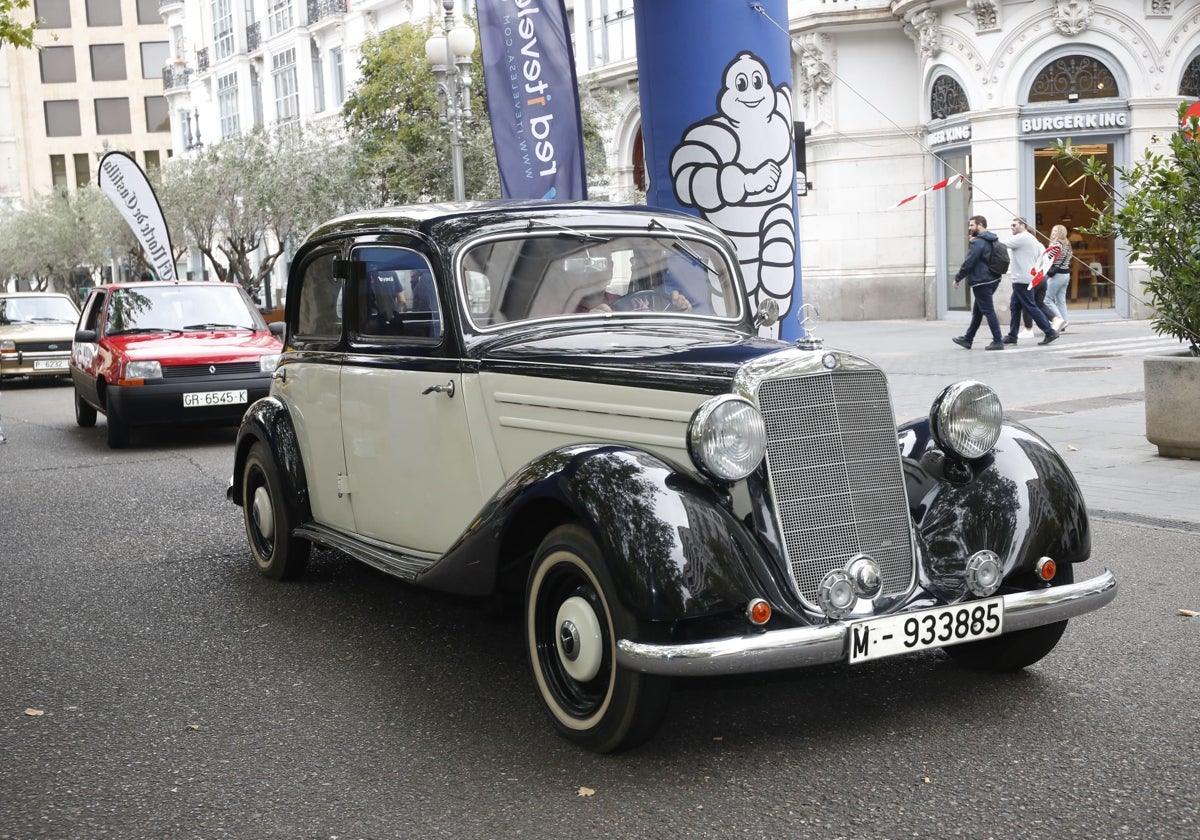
1173, 404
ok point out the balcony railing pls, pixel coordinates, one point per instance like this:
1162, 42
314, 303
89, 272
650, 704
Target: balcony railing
321, 9
253, 36
175, 76
202, 60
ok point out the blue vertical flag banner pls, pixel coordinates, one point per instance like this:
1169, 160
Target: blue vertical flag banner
533, 98
716, 100
127, 187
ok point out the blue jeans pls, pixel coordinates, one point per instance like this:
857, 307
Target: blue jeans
1056, 293
1023, 301
983, 308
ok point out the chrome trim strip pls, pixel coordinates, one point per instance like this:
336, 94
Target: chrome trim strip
800, 647
403, 566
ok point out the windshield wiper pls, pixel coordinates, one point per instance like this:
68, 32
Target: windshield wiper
143, 330
53, 320
685, 249
217, 327
580, 235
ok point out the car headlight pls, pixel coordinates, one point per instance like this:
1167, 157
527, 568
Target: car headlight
268, 363
966, 419
727, 438
143, 370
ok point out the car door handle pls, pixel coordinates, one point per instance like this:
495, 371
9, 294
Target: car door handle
281, 375
447, 389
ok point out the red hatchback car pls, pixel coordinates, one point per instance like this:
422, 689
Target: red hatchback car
153, 353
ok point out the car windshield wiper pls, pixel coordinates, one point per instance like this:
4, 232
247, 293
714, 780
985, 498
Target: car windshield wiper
683, 248
143, 330
578, 234
53, 320
217, 327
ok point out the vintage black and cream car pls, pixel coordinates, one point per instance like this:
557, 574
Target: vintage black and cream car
570, 405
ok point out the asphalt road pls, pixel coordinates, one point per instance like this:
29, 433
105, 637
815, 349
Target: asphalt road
153, 685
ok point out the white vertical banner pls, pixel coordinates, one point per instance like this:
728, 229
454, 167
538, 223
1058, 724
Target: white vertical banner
127, 187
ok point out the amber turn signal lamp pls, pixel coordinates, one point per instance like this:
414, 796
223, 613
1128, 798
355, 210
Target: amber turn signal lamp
758, 611
1046, 568
127, 382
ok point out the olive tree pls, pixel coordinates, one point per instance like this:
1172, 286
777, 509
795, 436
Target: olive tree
48, 243
245, 202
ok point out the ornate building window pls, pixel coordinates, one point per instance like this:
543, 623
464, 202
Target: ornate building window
946, 98
1189, 85
1073, 77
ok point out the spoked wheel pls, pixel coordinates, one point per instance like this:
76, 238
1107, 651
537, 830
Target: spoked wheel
572, 623
1013, 651
268, 521
85, 415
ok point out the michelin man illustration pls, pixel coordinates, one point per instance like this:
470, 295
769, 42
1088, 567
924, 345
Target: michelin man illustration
737, 169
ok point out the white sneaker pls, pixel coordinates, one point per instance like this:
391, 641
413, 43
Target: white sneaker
1063, 326
1027, 333
1056, 322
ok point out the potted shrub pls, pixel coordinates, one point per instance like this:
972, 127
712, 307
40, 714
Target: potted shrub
1154, 207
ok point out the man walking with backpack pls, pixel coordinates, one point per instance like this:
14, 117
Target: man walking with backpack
985, 264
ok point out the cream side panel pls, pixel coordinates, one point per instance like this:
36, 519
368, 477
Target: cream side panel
532, 415
311, 393
412, 471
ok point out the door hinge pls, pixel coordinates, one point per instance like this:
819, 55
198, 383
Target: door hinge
343, 485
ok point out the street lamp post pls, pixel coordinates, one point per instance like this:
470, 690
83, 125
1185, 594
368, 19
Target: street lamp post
450, 56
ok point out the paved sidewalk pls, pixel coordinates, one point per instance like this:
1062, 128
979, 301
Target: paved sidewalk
1083, 393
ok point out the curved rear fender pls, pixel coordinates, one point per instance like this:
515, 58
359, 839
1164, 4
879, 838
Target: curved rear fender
269, 421
1021, 501
674, 549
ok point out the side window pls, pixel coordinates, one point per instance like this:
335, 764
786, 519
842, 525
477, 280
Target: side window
321, 295
398, 297
91, 315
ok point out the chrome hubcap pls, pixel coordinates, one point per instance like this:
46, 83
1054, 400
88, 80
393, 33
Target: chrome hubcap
579, 640
263, 513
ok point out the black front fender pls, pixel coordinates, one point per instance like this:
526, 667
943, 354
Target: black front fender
674, 548
268, 421
1021, 501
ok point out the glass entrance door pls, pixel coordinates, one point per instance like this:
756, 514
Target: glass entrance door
1058, 187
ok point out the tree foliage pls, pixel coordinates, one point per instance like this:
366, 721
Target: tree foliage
253, 196
11, 30
403, 154
1154, 206
48, 243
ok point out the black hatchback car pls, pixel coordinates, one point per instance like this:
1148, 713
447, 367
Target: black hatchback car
571, 405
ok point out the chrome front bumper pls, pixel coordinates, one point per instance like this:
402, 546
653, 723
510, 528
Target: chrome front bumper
800, 647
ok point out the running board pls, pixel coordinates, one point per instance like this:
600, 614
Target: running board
403, 566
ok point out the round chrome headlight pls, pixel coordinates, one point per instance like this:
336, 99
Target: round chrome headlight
727, 438
966, 419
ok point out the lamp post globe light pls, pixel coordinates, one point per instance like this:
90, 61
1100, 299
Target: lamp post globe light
450, 56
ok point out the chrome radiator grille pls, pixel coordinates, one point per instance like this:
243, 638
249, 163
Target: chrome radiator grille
834, 467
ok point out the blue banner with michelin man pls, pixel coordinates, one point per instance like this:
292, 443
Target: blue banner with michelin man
716, 101
533, 98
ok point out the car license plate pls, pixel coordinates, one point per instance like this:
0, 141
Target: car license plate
200, 399
876, 638
50, 364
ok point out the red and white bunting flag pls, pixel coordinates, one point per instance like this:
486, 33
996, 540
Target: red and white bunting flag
956, 180
1038, 272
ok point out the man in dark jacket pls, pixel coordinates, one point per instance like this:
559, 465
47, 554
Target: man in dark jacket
982, 283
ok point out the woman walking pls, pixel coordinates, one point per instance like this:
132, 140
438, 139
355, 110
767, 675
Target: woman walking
1058, 276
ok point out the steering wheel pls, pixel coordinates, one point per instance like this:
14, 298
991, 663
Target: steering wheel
647, 300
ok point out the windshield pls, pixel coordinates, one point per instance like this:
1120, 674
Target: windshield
50, 309
179, 308
558, 275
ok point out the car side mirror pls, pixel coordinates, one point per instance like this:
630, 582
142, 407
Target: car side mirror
85, 336
768, 313
278, 328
